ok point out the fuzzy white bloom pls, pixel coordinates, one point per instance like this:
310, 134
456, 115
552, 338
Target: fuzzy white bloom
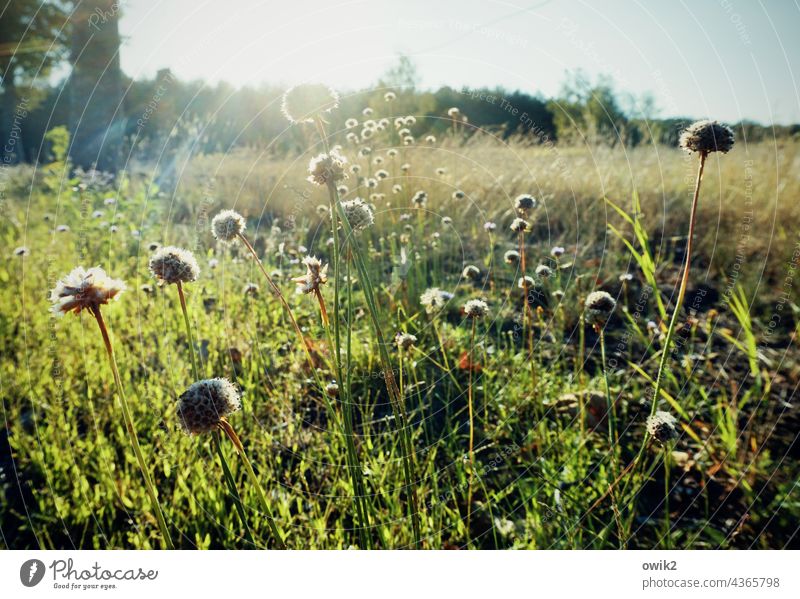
203, 405
557, 251
358, 214
544, 272
22, 251
471, 272
389, 96
174, 265
525, 202
511, 257
520, 225
327, 168
303, 103
489, 226
599, 306
405, 341
662, 426
420, 199
476, 308
227, 225
84, 289
434, 299
526, 282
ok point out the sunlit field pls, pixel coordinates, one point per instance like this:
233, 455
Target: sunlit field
444, 376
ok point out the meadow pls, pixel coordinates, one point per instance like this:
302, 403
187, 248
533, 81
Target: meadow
508, 413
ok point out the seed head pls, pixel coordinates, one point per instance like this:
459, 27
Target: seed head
316, 275
327, 168
332, 389
358, 214
82, 289
526, 282
174, 265
22, 252
662, 426
599, 306
250, 290
389, 96
707, 136
420, 199
520, 225
434, 299
543, 271
489, 226
557, 251
303, 103
524, 203
476, 308
227, 225
511, 257
471, 272
405, 340
203, 405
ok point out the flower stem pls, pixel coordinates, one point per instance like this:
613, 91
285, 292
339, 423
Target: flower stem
126, 414
237, 498
471, 433
276, 533
195, 369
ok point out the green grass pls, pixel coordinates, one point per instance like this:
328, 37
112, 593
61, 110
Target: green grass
541, 480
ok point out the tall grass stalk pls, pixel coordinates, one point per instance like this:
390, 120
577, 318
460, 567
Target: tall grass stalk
126, 414
369, 296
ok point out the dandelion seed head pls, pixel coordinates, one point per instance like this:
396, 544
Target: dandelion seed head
174, 265
351, 123
332, 389
84, 289
205, 403
303, 103
453, 112
227, 225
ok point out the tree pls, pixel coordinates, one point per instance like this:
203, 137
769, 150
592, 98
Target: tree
97, 122
31, 44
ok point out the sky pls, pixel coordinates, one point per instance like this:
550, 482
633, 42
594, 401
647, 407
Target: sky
724, 59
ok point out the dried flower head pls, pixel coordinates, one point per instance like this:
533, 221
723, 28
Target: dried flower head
174, 265
405, 340
303, 103
489, 226
453, 112
389, 96
351, 123
662, 426
458, 194
332, 389
543, 271
526, 282
525, 203
358, 214
476, 308
420, 199
520, 225
434, 299
557, 251
22, 252
250, 290
204, 404
84, 289
511, 257
316, 275
447, 221
707, 136
327, 168
227, 225
471, 272
599, 306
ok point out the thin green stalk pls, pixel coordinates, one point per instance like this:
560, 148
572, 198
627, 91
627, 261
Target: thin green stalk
229, 480
276, 533
612, 428
126, 414
186, 321
391, 385
471, 434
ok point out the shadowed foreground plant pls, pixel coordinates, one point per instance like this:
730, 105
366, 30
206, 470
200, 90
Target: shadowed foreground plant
203, 408
88, 289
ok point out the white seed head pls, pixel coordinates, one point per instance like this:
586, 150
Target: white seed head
303, 103
520, 225
227, 225
471, 272
405, 340
174, 265
544, 272
525, 203
662, 426
599, 306
476, 308
327, 168
358, 214
316, 275
84, 289
434, 299
511, 257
